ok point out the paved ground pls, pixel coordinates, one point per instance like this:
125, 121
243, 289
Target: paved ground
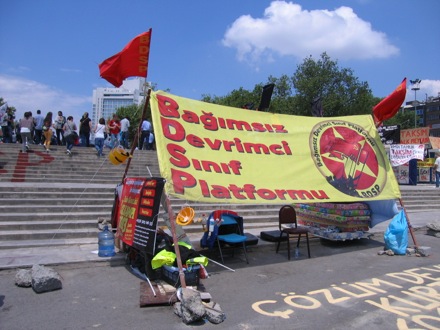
344, 285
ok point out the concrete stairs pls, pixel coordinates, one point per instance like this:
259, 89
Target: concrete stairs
51, 199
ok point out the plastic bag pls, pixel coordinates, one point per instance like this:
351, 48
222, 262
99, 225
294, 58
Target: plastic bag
396, 235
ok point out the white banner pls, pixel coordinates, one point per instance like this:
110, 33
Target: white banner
402, 153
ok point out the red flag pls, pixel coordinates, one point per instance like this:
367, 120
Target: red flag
132, 61
389, 106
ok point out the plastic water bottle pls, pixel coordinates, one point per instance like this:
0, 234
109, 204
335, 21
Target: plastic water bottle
106, 243
296, 253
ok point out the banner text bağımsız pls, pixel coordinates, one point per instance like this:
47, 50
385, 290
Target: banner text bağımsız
208, 153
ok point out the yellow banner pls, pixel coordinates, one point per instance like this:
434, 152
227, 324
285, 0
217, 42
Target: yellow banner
221, 154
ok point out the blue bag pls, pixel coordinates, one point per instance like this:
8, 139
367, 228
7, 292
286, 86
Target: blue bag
396, 235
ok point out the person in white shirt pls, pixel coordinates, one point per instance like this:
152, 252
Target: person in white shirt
99, 136
146, 129
437, 171
125, 124
38, 121
26, 127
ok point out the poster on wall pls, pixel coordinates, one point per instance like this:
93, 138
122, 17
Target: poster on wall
435, 142
403, 153
138, 212
389, 134
415, 135
424, 174
402, 173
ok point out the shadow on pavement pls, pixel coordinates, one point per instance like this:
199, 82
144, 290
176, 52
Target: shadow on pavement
266, 255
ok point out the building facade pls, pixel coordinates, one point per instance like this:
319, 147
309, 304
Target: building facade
432, 115
106, 100
427, 114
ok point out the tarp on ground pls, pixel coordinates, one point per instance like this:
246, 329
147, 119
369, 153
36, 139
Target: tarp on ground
220, 154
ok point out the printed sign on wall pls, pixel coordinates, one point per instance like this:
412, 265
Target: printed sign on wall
139, 207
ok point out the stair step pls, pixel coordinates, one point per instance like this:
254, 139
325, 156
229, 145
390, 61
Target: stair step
48, 234
42, 224
59, 202
36, 243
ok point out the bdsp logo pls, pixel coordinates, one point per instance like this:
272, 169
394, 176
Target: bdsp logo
348, 158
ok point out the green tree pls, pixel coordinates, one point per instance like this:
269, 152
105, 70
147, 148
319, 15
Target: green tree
12, 109
133, 112
283, 99
341, 93
238, 98
404, 119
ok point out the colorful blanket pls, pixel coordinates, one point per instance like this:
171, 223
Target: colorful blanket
335, 218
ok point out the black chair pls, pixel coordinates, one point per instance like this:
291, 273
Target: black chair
288, 226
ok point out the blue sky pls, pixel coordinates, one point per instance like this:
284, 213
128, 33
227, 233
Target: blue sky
50, 49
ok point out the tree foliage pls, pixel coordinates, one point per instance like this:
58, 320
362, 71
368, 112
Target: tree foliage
133, 112
404, 119
237, 98
11, 108
341, 93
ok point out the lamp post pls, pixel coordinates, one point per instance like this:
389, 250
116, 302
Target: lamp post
415, 87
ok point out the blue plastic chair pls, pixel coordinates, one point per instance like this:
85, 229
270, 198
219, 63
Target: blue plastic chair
234, 237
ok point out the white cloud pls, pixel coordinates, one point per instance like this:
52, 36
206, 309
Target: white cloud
288, 30
28, 95
428, 88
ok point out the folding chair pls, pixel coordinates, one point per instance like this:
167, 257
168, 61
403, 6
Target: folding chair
230, 233
287, 216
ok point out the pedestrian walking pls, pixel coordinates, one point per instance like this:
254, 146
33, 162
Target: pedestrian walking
38, 122
33, 127
26, 127
145, 135
47, 131
437, 171
84, 129
114, 127
99, 136
70, 135
60, 120
125, 124
7, 126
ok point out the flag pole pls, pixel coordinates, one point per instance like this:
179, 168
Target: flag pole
409, 224
144, 114
165, 200
134, 144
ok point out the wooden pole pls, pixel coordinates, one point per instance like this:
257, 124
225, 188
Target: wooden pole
165, 198
167, 205
409, 224
134, 144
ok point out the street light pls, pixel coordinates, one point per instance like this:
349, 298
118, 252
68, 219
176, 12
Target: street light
415, 87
